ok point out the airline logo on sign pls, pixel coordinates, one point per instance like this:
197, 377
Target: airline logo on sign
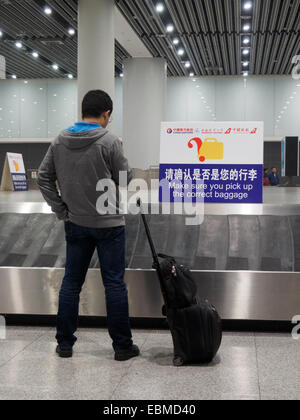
180, 130
241, 131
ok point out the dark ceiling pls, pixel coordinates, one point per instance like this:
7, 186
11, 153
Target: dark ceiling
25, 20
209, 31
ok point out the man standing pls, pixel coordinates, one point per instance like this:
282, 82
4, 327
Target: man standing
274, 178
78, 158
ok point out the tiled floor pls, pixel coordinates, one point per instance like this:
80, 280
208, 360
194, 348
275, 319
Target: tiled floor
248, 366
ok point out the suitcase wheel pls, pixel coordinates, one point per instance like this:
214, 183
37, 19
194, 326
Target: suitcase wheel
177, 361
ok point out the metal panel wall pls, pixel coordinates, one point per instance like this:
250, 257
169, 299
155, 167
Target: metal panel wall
237, 295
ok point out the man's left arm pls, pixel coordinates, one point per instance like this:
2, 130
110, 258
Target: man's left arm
119, 162
47, 183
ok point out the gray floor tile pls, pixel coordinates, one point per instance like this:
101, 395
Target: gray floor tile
278, 357
280, 396
86, 375
144, 382
92, 373
25, 333
30, 369
53, 393
9, 349
17, 339
101, 336
232, 375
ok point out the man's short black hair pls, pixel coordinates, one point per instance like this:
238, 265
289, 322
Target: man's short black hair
95, 103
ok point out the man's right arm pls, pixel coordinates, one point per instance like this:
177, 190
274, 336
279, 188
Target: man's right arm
47, 183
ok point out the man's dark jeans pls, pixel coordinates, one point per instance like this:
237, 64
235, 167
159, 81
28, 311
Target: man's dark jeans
110, 245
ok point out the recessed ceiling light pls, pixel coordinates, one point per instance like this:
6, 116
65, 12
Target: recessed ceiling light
176, 41
170, 28
121, 74
246, 52
180, 52
160, 7
35, 54
187, 65
246, 41
192, 74
70, 76
1, 34
55, 66
246, 73
13, 76
246, 27
245, 63
248, 5
47, 10
18, 44
71, 31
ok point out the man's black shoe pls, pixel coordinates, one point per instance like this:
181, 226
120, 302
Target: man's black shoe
127, 354
64, 352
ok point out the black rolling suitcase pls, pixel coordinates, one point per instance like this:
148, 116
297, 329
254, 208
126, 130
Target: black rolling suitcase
195, 325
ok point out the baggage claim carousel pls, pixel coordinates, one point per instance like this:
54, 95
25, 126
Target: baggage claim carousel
245, 260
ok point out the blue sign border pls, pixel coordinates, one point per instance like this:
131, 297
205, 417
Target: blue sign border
220, 191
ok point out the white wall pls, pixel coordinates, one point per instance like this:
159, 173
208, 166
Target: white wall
144, 104
237, 99
36, 108
41, 108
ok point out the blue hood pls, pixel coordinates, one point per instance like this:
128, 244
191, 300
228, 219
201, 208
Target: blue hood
81, 127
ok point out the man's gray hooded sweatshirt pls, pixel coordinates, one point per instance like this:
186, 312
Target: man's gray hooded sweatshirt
78, 161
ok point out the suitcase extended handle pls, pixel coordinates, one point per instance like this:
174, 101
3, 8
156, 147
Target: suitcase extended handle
156, 264
154, 253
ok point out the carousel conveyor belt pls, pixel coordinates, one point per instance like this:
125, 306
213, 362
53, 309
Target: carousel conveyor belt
246, 264
221, 242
